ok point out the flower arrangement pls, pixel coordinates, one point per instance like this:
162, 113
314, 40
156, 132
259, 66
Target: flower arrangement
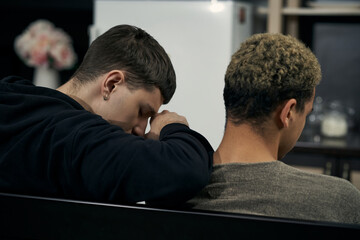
42, 44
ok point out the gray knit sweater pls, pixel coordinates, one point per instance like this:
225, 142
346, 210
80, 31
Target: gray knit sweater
278, 190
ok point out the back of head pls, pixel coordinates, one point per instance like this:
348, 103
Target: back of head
267, 70
132, 50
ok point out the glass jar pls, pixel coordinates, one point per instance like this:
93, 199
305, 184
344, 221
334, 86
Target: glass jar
334, 122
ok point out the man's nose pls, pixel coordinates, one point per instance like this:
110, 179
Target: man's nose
139, 129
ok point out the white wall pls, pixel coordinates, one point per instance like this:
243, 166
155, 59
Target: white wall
200, 43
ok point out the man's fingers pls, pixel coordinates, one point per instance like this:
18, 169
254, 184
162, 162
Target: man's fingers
160, 120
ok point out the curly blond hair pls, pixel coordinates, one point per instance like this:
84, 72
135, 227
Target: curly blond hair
267, 70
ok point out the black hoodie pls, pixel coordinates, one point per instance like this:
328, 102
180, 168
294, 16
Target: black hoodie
51, 146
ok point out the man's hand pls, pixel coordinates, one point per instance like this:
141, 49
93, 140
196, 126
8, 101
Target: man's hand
162, 119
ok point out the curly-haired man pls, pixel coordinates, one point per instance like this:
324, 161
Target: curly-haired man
269, 90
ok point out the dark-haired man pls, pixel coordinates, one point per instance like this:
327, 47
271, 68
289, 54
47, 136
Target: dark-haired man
269, 90
86, 140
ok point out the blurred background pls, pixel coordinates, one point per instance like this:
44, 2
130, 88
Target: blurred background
330, 143
74, 17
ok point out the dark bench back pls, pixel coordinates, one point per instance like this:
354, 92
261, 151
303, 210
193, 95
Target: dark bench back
26, 217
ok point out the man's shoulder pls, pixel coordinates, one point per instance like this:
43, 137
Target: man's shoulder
15, 79
318, 181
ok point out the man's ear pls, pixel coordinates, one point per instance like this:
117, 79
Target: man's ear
111, 80
287, 112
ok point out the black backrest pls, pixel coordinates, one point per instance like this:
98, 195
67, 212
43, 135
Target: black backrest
26, 217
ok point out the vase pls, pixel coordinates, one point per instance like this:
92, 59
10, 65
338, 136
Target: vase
46, 77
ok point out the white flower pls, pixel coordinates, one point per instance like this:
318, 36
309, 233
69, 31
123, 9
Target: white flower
63, 56
41, 44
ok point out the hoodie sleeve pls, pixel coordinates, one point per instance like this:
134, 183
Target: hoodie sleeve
122, 168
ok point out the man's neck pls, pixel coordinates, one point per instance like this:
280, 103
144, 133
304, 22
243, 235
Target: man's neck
71, 90
241, 144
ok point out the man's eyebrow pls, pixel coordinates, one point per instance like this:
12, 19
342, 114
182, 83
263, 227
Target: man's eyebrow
149, 109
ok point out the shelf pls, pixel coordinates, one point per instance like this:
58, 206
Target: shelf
348, 146
290, 11
276, 11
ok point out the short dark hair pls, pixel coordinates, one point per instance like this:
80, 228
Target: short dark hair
132, 50
267, 70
